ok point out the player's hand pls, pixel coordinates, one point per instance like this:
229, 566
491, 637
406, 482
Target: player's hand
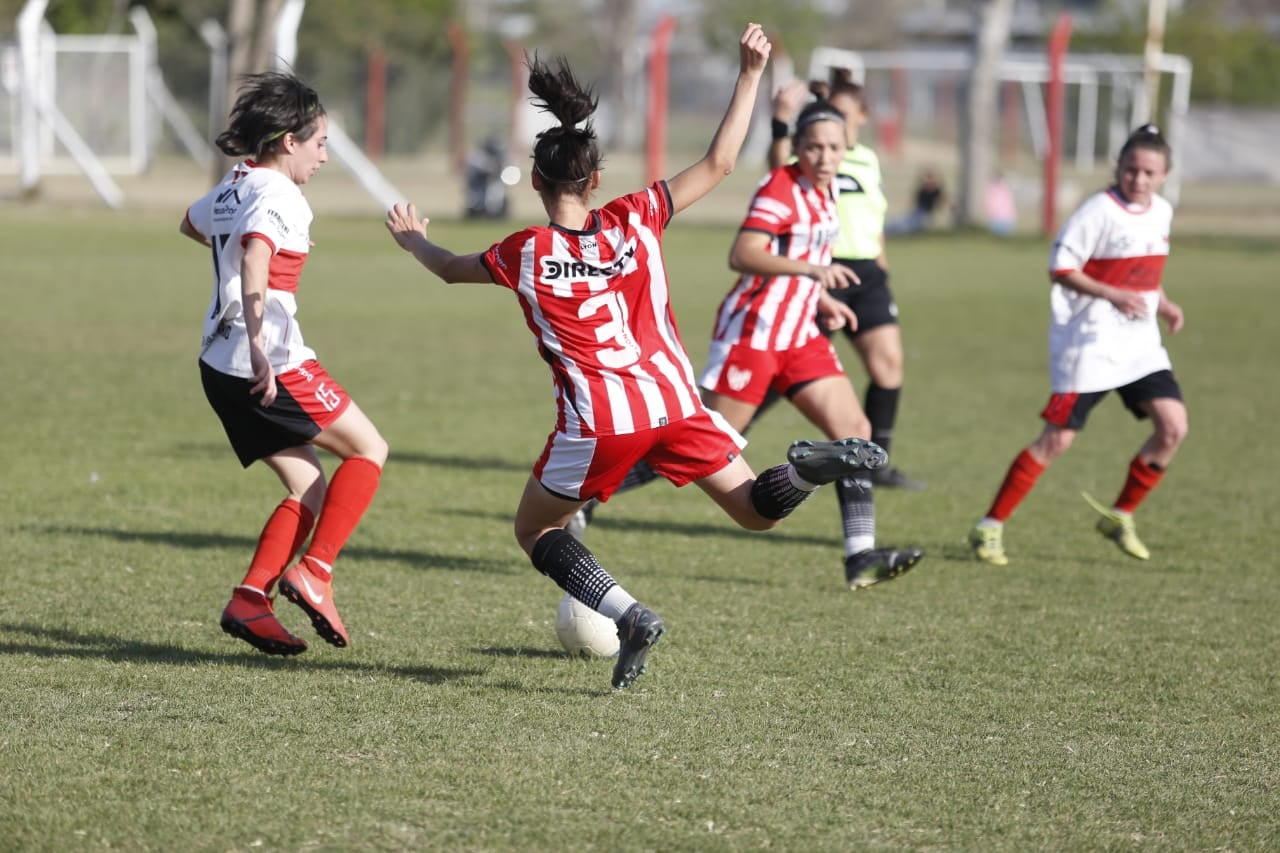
834, 314
264, 376
402, 222
753, 50
835, 276
1171, 313
1130, 303
788, 101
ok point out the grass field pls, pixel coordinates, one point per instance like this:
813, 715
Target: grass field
1075, 700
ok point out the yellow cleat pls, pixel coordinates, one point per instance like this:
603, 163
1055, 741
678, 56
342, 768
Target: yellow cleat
1119, 528
988, 544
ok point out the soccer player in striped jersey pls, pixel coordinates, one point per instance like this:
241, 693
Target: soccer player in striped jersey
767, 335
1106, 267
275, 400
594, 290
877, 338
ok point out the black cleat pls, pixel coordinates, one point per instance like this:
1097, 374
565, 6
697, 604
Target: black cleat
893, 478
870, 567
822, 462
638, 629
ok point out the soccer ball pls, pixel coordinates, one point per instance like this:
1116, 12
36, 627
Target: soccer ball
584, 632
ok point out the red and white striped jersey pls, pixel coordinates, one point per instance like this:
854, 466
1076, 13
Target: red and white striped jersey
1092, 345
777, 312
254, 201
599, 305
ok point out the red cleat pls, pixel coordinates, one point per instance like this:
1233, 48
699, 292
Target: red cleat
250, 617
314, 595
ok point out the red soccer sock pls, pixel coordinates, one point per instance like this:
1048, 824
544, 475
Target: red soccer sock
1143, 477
283, 535
1022, 476
350, 492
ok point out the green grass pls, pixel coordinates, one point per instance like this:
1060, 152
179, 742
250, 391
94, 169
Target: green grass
1073, 700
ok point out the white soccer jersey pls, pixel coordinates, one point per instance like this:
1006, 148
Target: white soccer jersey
1092, 345
253, 201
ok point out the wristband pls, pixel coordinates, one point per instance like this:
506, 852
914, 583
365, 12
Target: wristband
780, 129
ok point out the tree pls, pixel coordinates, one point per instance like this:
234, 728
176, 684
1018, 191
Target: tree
991, 37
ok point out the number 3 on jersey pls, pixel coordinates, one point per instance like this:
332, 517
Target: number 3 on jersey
613, 330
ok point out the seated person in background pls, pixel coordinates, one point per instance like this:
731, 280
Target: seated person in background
929, 197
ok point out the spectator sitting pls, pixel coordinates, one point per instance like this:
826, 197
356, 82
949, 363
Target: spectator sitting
929, 197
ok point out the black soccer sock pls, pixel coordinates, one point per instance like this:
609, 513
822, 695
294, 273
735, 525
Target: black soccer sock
572, 566
858, 511
882, 410
774, 494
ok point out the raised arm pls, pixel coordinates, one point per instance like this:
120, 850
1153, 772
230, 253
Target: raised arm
786, 106
411, 235
700, 178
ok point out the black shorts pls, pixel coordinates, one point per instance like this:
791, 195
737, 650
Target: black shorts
1071, 410
256, 432
872, 301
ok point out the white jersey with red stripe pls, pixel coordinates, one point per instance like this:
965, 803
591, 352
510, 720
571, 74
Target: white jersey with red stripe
802, 221
1092, 345
599, 305
253, 201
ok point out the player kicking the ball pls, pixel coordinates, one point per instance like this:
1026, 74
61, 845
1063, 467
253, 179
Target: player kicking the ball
594, 291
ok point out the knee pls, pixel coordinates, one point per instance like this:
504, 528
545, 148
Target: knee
378, 450
526, 537
313, 496
1052, 445
757, 523
885, 369
1171, 435
859, 427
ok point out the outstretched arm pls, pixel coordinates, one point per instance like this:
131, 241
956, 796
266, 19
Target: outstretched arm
411, 235
700, 178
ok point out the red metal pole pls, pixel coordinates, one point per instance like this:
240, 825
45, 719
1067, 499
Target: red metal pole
1059, 38
656, 138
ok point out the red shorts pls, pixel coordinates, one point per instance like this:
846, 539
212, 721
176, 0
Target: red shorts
737, 371
307, 400
683, 451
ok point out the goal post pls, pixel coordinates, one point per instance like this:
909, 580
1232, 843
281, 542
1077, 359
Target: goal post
40, 123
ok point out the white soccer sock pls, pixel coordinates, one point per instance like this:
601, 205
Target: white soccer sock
616, 602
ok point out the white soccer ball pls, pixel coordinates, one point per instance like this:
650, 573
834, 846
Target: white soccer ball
583, 632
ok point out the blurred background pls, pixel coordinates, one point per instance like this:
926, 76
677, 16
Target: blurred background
116, 102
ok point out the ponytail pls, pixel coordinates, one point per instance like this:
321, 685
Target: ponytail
565, 156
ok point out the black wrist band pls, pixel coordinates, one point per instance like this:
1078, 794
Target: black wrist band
780, 129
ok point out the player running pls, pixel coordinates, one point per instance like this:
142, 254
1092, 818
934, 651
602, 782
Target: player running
275, 401
1106, 268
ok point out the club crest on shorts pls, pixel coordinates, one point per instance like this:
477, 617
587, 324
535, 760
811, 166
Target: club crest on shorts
738, 378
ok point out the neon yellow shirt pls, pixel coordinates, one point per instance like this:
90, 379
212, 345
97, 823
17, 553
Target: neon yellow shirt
862, 205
